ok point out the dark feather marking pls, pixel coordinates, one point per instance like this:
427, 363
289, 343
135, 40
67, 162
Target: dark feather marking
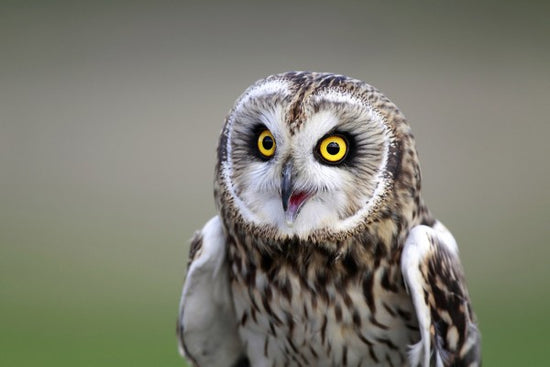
266, 343
321, 284
388, 359
253, 300
346, 297
266, 298
380, 252
338, 312
350, 265
393, 164
266, 262
364, 340
375, 322
388, 342
222, 146
373, 355
406, 315
314, 303
324, 329
356, 319
313, 352
290, 323
269, 311
345, 356
426, 296
368, 283
303, 82
292, 346
411, 327
388, 309
447, 292
268, 293
448, 296
244, 318
285, 288
386, 282
242, 362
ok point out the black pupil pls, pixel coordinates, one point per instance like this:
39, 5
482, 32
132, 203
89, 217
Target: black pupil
267, 142
333, 148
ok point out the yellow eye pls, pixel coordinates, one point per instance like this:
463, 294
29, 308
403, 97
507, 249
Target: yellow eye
333, 149
266, 144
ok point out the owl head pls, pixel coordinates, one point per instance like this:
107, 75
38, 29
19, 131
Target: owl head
315, 155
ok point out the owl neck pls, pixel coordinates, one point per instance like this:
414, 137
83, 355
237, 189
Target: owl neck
380, 239
339, 262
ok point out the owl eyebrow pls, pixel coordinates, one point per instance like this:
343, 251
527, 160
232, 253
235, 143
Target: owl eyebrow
337, 130
264, 90
337, 96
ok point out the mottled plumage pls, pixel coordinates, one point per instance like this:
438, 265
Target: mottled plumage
323, 253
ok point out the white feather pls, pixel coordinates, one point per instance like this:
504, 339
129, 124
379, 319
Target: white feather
417, 248
206, 309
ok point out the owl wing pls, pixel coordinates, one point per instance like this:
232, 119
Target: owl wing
434, 278
207, 325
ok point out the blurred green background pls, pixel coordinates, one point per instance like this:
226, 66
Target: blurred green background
109, 117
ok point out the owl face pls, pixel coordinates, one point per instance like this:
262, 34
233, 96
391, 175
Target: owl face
300, 155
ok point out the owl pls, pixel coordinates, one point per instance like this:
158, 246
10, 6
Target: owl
323, 252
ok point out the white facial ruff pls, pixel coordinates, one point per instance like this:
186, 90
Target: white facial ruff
266, 88
380, 178
335, 96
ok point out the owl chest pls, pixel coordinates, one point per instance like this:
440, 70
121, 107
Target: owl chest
286, 319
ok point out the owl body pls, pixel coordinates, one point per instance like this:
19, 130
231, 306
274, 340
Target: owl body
323, 253
328, 313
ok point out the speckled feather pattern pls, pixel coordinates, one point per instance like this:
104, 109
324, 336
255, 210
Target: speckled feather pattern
336, 296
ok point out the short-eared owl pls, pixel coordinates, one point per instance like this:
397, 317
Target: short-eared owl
323, 252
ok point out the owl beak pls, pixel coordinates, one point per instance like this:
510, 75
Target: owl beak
286, 184
293, 200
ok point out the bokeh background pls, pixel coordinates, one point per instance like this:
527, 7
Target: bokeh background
109, 117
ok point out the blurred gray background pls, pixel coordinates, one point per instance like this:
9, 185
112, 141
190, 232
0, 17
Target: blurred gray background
109, 118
